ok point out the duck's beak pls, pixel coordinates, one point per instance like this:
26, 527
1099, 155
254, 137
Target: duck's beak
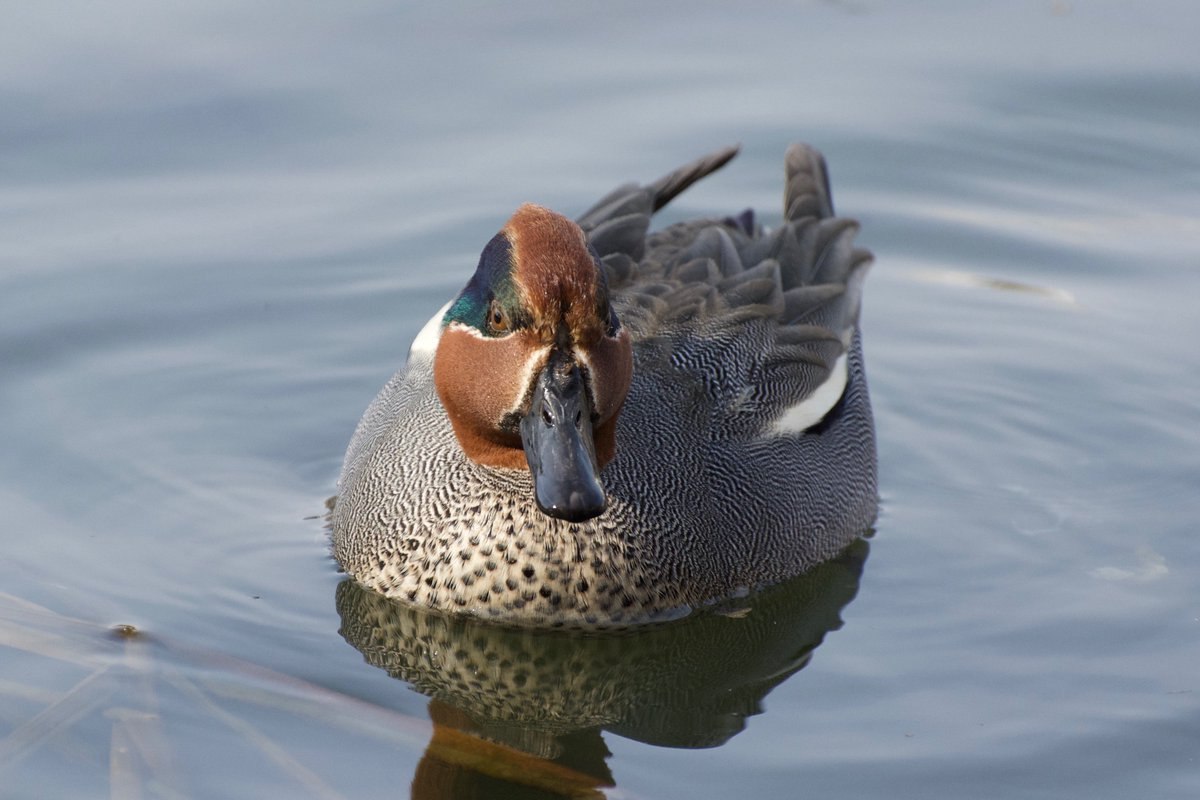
557, 435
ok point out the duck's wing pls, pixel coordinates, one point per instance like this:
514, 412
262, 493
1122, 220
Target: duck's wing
763, 320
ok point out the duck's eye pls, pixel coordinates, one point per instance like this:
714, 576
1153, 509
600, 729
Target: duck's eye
614, 324
497, 320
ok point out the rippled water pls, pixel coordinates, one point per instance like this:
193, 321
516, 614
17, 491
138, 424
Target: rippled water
221, 226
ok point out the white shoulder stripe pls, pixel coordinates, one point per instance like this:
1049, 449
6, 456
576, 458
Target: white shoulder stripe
427, 338
812, 409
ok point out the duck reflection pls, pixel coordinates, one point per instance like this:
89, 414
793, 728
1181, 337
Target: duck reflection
519, 712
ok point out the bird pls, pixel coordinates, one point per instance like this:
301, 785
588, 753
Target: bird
612, 426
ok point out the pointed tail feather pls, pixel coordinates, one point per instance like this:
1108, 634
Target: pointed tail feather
666, 188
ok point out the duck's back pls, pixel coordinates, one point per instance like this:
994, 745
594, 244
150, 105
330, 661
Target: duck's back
745, 447
749, 390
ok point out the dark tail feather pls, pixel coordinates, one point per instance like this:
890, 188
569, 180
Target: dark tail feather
668, 186
807, 191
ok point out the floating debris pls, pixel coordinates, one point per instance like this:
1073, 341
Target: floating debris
952, 277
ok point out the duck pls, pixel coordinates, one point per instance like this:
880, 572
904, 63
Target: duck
611, 426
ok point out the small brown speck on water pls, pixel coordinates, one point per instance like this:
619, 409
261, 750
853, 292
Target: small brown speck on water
126, 631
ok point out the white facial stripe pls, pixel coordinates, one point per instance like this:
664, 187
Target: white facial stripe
812, 409
462, 326
581, 356
425, 345
529, 372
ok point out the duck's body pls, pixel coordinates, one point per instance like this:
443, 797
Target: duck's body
744, 452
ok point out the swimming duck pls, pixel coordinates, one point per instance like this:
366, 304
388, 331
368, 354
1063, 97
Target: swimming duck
609, 426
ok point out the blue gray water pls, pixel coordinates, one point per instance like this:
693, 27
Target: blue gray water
221, 225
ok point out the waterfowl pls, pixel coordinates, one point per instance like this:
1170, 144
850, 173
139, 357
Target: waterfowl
610, 426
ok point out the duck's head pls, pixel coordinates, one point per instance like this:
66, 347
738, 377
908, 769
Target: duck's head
533, 365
